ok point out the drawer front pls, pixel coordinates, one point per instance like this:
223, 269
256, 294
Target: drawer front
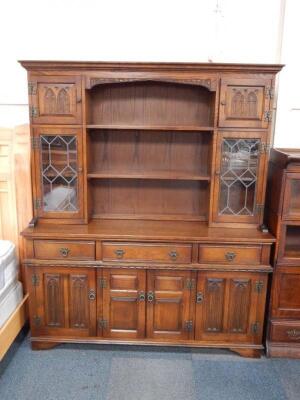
285, 332
224, 254
64, 250
165, 253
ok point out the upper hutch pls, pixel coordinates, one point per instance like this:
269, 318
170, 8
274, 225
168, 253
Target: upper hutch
149, 186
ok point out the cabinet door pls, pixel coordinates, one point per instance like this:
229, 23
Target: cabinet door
62, 301
168, 305
286, 293
291, 203
57, 169
55, 100
230, 306
240, 177
123, 313
245, 103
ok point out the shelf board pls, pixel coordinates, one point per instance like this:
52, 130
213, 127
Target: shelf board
163, 175
153, 127
152, 217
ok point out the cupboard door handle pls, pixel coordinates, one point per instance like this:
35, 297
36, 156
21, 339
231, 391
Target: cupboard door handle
150, 297
64, 251
223, 103
199, 297
92, 294
119, 253
173, 255
142, 296
230, 256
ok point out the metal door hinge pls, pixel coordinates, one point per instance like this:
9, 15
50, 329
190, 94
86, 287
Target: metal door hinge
32, 88
37, 203
37, 321
269, 92
103, 323
255, 328
102, 283
33, 112
259, 286
268, 116
92, 294
35, 142
259, 208
35, 279
188, 325
190, 284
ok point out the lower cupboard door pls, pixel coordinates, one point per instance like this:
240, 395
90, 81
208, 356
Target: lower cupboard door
168, 305
123, 307
230, 306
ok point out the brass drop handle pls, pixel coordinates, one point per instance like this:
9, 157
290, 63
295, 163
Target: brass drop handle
92, 294
119, 253
199, 297
223, 103
294, 334
173, 255
150, 297
230, 256
64, 251
142, 296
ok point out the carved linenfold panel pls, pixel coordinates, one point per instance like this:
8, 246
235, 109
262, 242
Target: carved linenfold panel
50, 101
78, 301
214, 301
54, 300
63, 102
240, 296
209, 84
244, 103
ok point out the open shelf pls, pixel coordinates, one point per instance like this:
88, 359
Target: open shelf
153, 127
292, 242
154, 175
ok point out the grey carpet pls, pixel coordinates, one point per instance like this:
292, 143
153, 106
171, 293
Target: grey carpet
86, 372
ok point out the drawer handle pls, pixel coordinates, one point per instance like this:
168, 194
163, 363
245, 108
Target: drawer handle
142, 296
294, 334
92, 294
150, 297
64, 251
230, 256
119, 253
173, 255
199, 297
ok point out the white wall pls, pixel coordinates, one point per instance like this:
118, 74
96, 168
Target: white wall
140, 30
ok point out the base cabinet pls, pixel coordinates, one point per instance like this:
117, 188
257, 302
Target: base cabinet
168, 306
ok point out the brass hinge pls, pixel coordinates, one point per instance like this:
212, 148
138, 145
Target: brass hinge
255, 328
269, 92
37, 203
103, 323
37, 321
188, 325
33, 111
268, 116
259, 285
102, 283
259, 208
35, 279
190, 284
32, 88
35, 142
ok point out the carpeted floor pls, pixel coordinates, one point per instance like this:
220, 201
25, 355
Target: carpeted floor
81, 372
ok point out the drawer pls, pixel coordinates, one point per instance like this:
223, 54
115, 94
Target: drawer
226, 254
64, 250
152, 252
285, 331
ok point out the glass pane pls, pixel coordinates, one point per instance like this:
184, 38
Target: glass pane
292, 242
59, 172
294, 207
238, 177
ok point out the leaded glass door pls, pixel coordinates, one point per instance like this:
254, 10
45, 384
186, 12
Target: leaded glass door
58, 166
240, 169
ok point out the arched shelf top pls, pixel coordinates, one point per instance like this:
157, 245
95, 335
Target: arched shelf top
207, 83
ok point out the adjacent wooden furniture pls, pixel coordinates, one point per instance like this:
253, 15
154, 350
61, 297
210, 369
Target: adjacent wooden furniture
283, 216
149, 185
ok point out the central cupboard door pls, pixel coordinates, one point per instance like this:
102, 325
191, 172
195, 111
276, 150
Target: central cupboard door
168, 305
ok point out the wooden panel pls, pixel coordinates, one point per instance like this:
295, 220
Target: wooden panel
239, 305
168, 312
123, 304
64, 250
229, 254
243, 103
150, 103
291, 204
56, 99
149, 198
285, 331
213, 318
175, 253
289, 244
